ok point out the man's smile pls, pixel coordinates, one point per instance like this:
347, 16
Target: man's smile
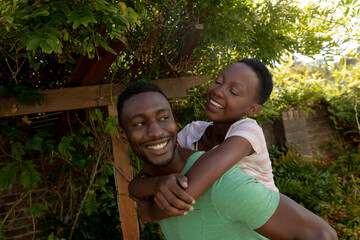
157, 146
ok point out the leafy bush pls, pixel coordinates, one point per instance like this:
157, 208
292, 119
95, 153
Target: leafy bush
328, 190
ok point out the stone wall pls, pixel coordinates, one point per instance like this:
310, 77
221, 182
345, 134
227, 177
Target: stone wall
308, 132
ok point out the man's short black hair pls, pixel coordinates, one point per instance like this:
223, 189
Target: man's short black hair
134, 89
266, 82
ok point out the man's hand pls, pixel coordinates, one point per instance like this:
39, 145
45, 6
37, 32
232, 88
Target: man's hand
171, 197
144, 208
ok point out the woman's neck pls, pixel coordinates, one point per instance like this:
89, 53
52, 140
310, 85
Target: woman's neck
213, 136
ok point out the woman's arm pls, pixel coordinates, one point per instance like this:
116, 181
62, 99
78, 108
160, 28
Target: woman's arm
205, 171
215, 162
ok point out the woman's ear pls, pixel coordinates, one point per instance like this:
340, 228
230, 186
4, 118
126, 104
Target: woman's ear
254, 109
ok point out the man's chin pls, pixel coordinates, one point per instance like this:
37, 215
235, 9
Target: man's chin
159, 163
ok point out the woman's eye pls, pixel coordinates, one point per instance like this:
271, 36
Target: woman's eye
218, 80
234, 92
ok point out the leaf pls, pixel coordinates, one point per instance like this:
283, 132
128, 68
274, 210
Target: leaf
27, 96
37, 209
17, 150
40, 12
11, 131
8, 174
5, 91
29, 176
64, 146
97, 115
54, 31
51, 236
66, 35
46, 46
79, 162
51, 43
48, 144
90, 204
33, 43
34, 144
40, 99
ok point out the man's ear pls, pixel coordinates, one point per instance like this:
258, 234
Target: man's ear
123, 136
254, 109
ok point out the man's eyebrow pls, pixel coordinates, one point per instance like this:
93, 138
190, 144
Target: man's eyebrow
143, 114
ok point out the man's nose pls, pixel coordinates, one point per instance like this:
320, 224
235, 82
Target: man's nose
155, 130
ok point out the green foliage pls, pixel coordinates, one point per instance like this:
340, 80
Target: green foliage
37, 209
8, 174
91, 205
29, 176
330, 191
65, 147
17, 150
152, 231
25, 94
43, 38
54, 25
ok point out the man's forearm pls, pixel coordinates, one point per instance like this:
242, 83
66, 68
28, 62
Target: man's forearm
149, 211
143, 187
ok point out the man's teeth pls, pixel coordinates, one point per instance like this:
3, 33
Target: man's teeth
158, 146
215, 104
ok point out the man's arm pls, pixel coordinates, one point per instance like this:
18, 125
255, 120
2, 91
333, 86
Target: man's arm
171, 185
143, 185
149, 211
292, 221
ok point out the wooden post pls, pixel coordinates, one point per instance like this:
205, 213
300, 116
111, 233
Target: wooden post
123, 174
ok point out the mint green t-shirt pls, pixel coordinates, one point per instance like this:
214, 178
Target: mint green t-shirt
230, 209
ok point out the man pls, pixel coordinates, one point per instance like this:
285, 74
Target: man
236, 206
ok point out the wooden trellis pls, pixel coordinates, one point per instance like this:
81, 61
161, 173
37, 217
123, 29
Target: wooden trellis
97, 96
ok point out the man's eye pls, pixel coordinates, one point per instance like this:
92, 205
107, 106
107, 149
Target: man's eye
164, 118
138, 124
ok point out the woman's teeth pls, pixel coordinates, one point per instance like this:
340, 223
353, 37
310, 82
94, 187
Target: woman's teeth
215, 104
158, 146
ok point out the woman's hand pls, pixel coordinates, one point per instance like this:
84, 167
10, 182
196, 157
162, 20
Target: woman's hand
170, 195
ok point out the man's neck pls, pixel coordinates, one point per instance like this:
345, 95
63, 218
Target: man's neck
177, 164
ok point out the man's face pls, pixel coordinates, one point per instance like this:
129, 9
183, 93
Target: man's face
150, 128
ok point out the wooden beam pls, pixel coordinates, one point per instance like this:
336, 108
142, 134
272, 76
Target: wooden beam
91, 96
177, 87
123, 173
